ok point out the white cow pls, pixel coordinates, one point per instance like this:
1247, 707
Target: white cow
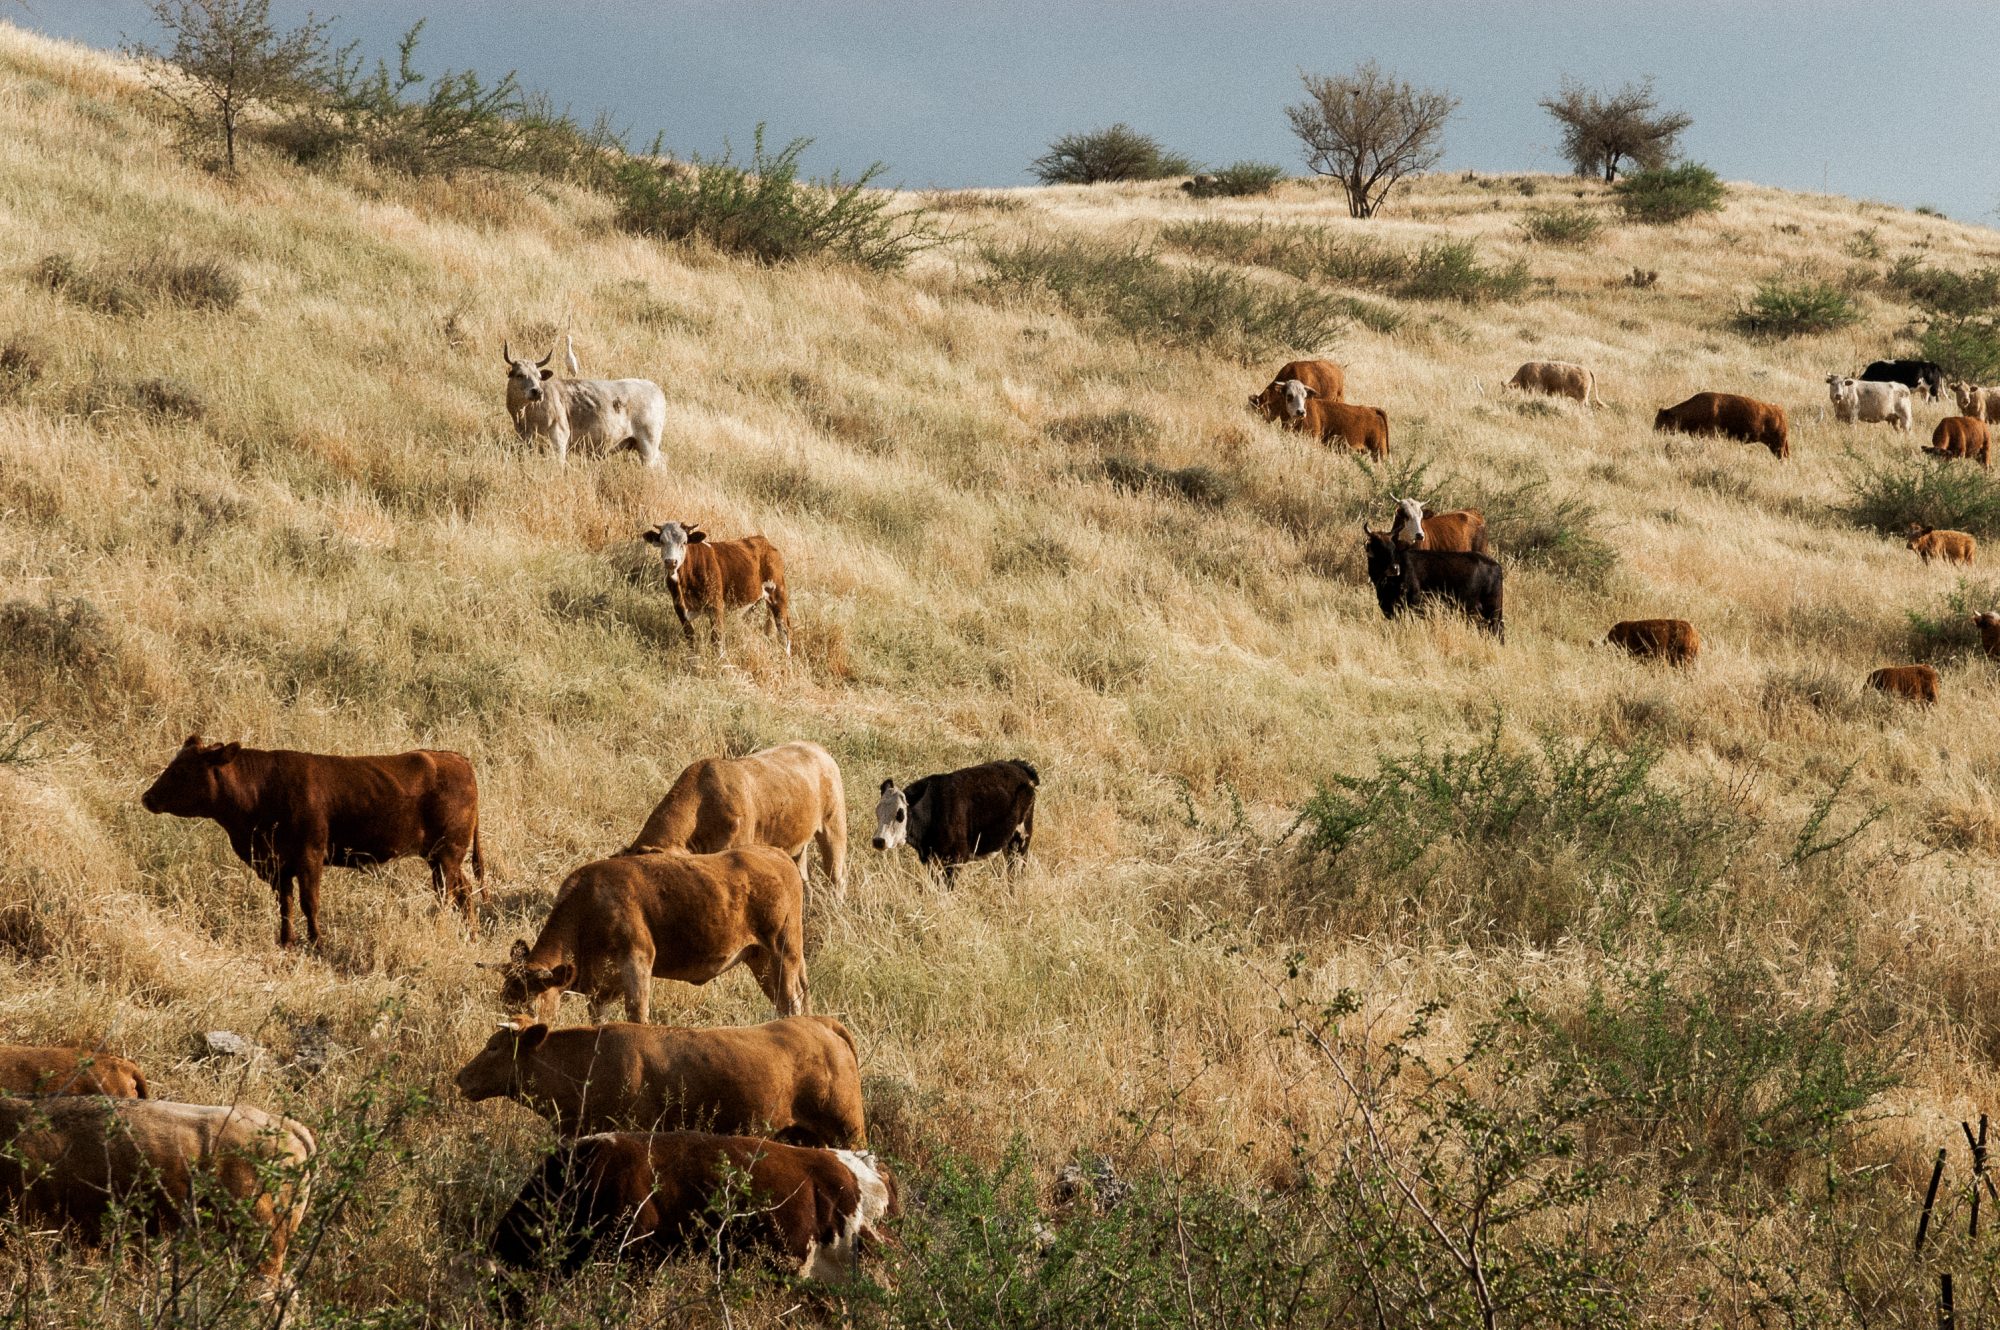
1870, 401
610, 413
1977, 402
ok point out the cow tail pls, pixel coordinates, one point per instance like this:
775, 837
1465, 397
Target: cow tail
478, 855
845, 1037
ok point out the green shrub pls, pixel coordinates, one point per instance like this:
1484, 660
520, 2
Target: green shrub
1944, 631
1575, 227
1310, 253
1541, 528
1102, 155
1889, 496
1451, 270
1235, 181
1670, 193
1196, 484
1967, 348
1943, 291
1783, 308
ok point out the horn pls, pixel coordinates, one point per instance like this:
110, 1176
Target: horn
547, 358
507, 351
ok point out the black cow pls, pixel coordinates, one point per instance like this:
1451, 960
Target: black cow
1925, 376
961, 815
1404, 575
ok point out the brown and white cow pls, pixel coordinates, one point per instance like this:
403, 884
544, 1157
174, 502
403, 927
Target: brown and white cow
38, 1069
1672, 640
1931, 543
789, 796
1464, 529
1732, 416
796, 1079
654, 1194
1960, 436
288, 815
1916, 683
958, 816
722, 575
1977, 402
1322, 379
1557, 378
619, 923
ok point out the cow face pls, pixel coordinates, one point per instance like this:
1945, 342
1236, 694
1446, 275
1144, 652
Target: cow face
525, 987
525, 377
1409, 521
1839, 388
878, 1198
1294, 395
192, 784
673, 538
496, 1069
892, 818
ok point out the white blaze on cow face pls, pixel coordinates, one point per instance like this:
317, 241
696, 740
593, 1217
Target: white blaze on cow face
892, 817
1408, 524
841, 1259
673, 538
1296, 393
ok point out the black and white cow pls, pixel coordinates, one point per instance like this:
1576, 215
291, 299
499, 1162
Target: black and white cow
1925, 376
960, 816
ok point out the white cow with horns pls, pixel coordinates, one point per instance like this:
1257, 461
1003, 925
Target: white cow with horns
606, 413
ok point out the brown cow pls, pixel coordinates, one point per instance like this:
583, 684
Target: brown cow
719, 575
797, 1079
1988, 624
652, 1193
1918, 683
621, 922
1362, 428
1557, 378
288, 815
1960, 436
1326, 380
73, 1159
1463, 530
36, 1069
789, 796
1743, 418
1672, 640
1931, 543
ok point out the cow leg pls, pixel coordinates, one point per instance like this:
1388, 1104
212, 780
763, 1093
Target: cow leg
309, 871
680, 610
781, 623
636, 978
718, 608
448, 878
832, 859
281, 883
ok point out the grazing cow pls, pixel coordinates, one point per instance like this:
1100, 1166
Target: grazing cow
1960, 436
1730, 415
1362, 428
1977, 402
1855, 399
1463, 530
34, 1069
290, 814
1672, 640
1917, 683
1557, 378
962, 815
655, 1193
1325, 379
620, 923
789, 796
1404, 576
722, 575
1988, 624
1931, 543
82, 1160
1925, 376
797, 1079
608, 413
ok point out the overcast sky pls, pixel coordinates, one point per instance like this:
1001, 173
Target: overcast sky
1899, 103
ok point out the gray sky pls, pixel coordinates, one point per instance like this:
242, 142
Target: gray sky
1888, 102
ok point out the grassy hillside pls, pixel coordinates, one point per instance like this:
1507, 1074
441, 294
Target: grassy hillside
295, 514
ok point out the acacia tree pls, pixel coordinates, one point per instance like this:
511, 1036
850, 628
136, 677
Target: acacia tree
224, 57
1600, 133
1368, 130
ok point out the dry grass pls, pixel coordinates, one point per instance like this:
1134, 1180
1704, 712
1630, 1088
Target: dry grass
345, 549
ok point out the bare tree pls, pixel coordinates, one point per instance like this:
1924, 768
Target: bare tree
1369, 130
225, 56
1600, 133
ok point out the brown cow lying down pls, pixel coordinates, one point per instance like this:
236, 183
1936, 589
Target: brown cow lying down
795, 1079
654, 1194
1326, 380
1931, 543
1672, 640
1463, 530
962, 815
1960, 436
620, 923
34, 1069
1743, 418
288, 815
1557, 378
1365, 429
70, 1160
1988, 624
1918, 683
789, 796
720, 575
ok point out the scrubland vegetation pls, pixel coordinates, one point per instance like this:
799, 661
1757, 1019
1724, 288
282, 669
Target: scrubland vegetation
1362, 972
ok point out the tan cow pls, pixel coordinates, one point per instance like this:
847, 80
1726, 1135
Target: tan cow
789, 796
1977, 402
1960, 436
1557, 378
796, 1079
1325, 379
35, 1069
620, 923
72, 1159
1464, 529
1917, 683
1931, 543
1672, 640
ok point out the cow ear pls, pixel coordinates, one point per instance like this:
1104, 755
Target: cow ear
192, 741
530, 1039
548, 374
696, 535
1255, 400
888, 784
562, 975
519, 952
1310, 390
651, 537
226, 754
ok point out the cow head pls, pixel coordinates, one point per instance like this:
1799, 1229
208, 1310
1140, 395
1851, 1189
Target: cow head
193, 785
496, 1069
525, 987
1915, 532
1839, 387
1967, 395
877, 1198
1409, 521
1387, 564
525, 377
673, 538
892, 817
1988, 624
1292, 397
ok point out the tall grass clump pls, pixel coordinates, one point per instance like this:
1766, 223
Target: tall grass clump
1943, 630
1574, 228
136, 285
1451, 270
1670, 194
1786, 308
1235, 181
1889, 496
1440, 270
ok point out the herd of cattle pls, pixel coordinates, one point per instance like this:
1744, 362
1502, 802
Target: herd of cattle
659, 1120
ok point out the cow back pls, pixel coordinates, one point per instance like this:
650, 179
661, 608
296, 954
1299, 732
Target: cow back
32, 1069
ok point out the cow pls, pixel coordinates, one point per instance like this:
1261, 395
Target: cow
1925, 376
1362, 428
1326, 380
619, 923
1915, 683
611, 413
1405, 576
1931, 543
796, 1079
1977, 402
1463, 530
1673, 640
1733, 416
1854, 399
1988, 624
789, 796
1960, 436
1557, 378
722, 575
83, 1160
34, 1069
958, 816
289, 814
652, 1194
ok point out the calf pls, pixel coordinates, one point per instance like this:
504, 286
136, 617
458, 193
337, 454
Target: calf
609, 413
1463, 530
1857, 399
1732, 416
654, 1194
1931, 543
288, 815
789, 796
1925, 376
1557, 378
1960, 436
1405, 576
1362, 428
1988, 624
1672, 640
798, 1079
962, 815
1325, 379
1979, 403
33, 1069
722, 575
1916, 683
619, 923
